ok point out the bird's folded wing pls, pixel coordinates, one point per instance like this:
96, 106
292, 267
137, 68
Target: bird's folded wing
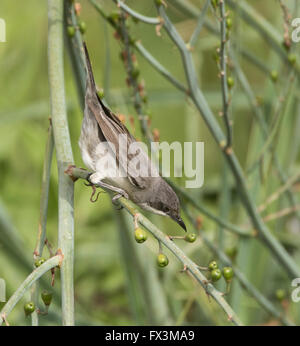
130, 155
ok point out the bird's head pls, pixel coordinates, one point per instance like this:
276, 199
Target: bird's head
166, 202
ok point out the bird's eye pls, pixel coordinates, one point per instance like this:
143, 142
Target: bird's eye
166, 210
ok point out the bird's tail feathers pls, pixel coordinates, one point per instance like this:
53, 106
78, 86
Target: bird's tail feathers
90, 77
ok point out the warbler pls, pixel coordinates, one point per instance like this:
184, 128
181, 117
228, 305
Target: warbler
118, 161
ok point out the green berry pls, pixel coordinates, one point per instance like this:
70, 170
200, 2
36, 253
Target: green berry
100, 94
280, 294
82, 27
132, 41
140, 235
190, 237
216, 275
227, 273
212, 265
231, 252
229, 23
71, 31
216, 56
162, 260
230, 82
29, 308
46, 297
292, 59
39, 262
114, 17
135, 72
274, 76
158, 2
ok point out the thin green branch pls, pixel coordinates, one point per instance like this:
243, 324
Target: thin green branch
27, 283
43, 214
44, 194
199, 25
167, 242
64, 156
74, 45
133, 82
134, 14
223, 72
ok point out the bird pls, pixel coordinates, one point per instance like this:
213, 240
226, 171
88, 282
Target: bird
115, 165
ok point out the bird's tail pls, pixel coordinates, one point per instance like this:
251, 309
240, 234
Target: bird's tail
90, 77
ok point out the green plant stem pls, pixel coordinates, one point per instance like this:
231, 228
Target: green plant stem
74, 45
134, 83
43, 215
199, 25
223, 72
45, 194
134, 14
27, 283
166, 241
64, 156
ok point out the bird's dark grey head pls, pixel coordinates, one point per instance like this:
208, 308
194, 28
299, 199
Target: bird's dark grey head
166, 201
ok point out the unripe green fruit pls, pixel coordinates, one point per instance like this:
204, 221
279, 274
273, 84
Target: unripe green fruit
280, 294
100, 94
135, 72
162, 260
292, 59
39, 262
71, 31
46, 297
230, 82
216, 275
227, 273
190, 237
114, 17
82, 27
213, 265
29, 308
274, 76
229, 23
140, 235
231, 252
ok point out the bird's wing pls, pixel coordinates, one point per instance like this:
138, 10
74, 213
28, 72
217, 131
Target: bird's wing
111, 128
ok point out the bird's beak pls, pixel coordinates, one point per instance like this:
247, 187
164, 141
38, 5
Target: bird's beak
181, 223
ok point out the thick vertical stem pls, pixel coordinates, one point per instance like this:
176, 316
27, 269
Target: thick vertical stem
64, 156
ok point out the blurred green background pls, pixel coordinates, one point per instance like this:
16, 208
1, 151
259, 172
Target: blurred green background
111, 270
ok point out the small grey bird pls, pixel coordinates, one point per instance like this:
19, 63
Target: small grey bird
100, 139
